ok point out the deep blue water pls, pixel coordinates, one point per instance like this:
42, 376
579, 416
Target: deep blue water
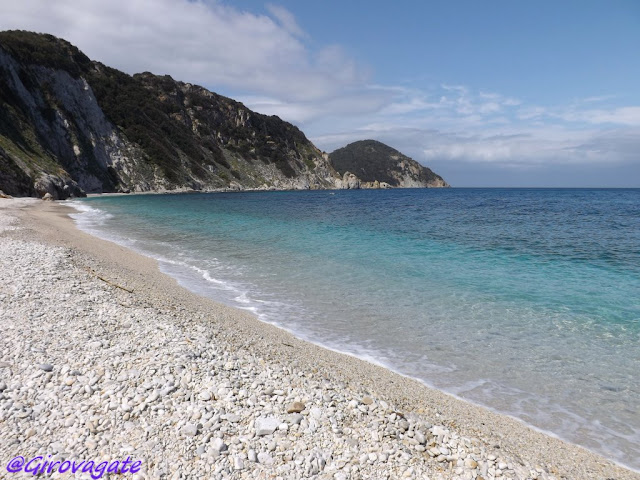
523, 300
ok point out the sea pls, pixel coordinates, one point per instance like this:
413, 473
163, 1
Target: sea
526, 301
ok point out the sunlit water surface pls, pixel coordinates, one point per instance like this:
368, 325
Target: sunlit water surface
523, 300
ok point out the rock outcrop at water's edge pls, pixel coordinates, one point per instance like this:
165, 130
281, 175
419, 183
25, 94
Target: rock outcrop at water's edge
70, 126
375, 164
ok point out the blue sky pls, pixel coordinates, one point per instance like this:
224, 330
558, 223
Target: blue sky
494, 93
552, 51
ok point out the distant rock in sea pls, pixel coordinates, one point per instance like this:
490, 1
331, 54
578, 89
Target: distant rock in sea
377, 165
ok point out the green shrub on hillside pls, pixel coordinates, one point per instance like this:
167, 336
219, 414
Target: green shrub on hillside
46, 50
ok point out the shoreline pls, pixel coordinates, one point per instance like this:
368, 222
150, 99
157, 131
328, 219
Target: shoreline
497, 435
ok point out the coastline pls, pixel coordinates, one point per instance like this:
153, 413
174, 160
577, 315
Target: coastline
495, 435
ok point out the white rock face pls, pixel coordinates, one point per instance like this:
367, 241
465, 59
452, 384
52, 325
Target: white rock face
79, 135
79, 109
348, 182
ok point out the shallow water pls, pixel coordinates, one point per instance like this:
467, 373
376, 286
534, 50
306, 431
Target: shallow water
523, 300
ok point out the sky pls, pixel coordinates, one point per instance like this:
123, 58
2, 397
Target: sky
489, 93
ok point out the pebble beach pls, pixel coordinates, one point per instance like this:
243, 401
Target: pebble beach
103, 357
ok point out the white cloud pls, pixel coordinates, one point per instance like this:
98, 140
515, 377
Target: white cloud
208, 43
620, 116
531, 112
350, 105
455, 104
509, 147
596, 99
523, 149
577, 113
286, 19
460, 89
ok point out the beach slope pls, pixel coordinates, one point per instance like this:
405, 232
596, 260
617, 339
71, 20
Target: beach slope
102, 357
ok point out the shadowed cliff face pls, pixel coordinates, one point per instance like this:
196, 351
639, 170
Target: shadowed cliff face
73, 125
372, 161
69, 125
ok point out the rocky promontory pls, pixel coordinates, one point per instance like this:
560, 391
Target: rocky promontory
71, 126
377, 165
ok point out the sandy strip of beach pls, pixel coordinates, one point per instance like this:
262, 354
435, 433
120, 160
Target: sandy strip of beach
103, 357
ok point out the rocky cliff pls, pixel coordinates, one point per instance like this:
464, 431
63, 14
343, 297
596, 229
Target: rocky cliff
377, 165
70, 125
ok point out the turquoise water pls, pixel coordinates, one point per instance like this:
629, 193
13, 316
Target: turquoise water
523, 300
